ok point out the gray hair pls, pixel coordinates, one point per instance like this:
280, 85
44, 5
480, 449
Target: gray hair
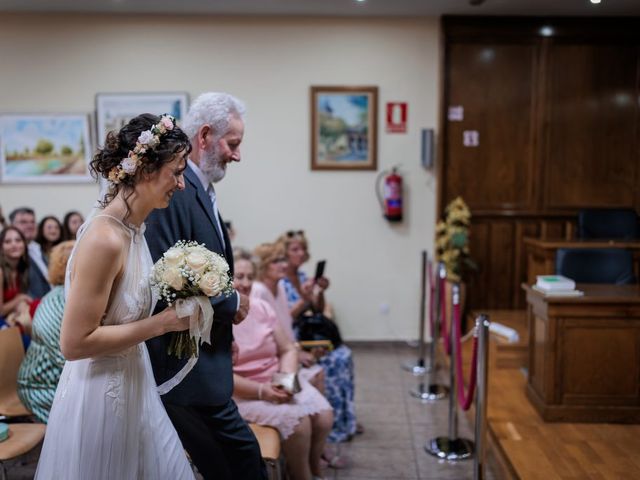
215, 109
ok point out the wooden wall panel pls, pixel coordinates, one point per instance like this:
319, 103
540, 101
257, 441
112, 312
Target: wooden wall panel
480, 252
502, 265
523, 228
558, 123
493, 84
592, 129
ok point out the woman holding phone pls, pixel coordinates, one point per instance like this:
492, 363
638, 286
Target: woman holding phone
302, 417
305, 293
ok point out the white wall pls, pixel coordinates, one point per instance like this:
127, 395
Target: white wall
54, 63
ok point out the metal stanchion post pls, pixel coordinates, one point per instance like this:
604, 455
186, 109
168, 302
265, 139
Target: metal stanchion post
482, 328
433, 391
451, 447
419, 367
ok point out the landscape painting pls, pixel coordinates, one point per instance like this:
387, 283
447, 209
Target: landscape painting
43, 148
343, 128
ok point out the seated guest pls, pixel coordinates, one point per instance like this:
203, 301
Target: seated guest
15, 303
303, 419
70, 225
48, 236
302, 294
42, 365
3, 222
24, 219
271, 269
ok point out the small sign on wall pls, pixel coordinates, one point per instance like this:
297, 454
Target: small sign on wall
456, 113
470, 138
397, 117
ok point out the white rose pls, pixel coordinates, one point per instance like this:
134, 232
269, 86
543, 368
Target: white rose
197, 262
173, 257
172, 277
210, 285
146, 137
129, 165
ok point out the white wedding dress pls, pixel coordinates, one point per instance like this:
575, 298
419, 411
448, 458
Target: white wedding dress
107, 421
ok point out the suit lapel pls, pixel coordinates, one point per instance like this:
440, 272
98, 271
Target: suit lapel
228, 251
203, 199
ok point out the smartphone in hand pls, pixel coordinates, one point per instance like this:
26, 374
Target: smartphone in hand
319, 269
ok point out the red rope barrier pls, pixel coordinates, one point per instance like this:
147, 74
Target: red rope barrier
464, 399
444, 332
432, 291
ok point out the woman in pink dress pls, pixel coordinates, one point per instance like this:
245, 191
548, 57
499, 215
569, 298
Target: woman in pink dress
303, 419
272, 267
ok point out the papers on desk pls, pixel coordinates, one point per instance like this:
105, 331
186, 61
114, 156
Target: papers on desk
556, 286
554, 282
558, 293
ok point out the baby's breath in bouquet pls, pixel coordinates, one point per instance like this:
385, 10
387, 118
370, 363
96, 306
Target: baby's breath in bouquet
452, 240
186, 275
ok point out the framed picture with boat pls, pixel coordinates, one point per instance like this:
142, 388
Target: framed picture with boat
344, 128
45, 148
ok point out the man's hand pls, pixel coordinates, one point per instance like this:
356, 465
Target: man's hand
243, 309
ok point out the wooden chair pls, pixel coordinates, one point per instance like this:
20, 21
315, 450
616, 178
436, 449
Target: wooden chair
11, 355
269, 441
596, 265
23, 437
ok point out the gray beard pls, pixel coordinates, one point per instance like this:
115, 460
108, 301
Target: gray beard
212, 166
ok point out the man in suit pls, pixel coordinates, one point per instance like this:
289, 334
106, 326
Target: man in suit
24, 219
201, 408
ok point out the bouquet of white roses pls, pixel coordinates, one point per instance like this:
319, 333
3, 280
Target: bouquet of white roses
186, 275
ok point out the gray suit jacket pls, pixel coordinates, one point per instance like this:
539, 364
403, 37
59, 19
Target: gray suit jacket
190, 217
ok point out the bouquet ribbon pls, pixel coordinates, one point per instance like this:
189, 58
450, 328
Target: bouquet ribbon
200, 313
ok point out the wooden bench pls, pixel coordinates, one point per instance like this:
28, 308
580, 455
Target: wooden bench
269, 441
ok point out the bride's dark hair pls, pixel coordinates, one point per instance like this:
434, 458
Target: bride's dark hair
118, 145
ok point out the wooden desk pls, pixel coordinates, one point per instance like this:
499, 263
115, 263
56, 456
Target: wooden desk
584, 354
541, 253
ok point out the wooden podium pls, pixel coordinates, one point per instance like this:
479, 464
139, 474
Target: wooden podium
584, 354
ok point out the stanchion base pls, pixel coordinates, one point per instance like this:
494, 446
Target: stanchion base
448, 449
415, 368
431, 393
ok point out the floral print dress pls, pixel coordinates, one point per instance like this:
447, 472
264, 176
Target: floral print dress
339, 379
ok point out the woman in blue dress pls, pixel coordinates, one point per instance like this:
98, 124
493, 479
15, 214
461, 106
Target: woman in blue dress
304, 294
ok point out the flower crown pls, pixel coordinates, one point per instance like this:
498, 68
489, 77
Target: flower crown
146, 141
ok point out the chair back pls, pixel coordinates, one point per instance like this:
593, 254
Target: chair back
11, 355
614, 223
596, 265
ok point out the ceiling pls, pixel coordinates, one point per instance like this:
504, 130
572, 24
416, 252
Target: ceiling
332, 7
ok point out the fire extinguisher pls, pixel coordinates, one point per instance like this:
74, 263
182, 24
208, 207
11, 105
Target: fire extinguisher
391, 196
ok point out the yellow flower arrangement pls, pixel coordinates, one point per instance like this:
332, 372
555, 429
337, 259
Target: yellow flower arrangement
452, 240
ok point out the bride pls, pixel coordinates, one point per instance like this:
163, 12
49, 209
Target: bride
107, 420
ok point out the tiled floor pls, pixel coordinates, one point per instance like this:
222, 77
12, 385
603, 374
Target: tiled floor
396, 425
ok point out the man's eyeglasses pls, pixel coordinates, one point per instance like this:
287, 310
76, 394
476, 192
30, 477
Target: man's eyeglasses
293, 233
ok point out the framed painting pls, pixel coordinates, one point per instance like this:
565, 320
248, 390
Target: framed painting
44, 148
344, 128
113, 110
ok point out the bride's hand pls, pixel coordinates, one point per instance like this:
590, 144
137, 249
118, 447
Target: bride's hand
171, 321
